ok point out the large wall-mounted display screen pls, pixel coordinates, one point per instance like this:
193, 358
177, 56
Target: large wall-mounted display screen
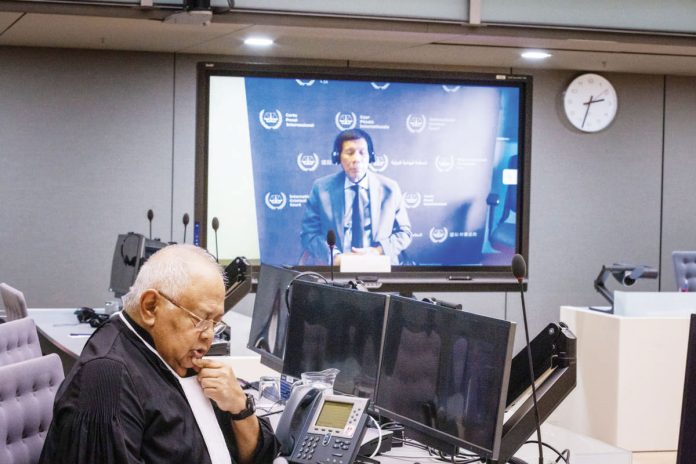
443, 178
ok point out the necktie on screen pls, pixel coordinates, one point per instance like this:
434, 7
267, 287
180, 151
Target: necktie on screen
356, 228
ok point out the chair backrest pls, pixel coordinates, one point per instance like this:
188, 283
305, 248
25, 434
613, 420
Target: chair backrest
15, 304
685, 269
27, 391
18, 341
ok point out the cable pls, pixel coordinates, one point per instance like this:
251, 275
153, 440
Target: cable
564, 455
537, 420
299, 276
269, 409
379, 439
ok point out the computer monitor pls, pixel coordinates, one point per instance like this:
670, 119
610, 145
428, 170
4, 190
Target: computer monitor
444, 375
333, 327
130, 253
269, 320
125, 264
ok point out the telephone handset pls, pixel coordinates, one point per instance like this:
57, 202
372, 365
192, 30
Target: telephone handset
316, 428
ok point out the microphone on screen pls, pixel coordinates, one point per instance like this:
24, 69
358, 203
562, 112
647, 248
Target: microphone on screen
216, 225
186, 222
331, 241
519, 270
150, 215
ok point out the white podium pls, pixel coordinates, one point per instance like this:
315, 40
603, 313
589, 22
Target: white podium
630, 373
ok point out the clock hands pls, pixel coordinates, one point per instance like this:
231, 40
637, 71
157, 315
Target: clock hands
588, 103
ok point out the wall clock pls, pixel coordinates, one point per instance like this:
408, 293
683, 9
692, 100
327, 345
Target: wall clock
590, 102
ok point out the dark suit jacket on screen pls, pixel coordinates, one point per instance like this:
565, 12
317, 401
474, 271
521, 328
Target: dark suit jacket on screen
326, 208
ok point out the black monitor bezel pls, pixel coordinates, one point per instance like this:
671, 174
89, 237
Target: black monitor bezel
438, 439
328, 287
119, 262
413, 278
267, 359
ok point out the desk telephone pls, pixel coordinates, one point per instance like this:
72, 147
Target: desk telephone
316, 428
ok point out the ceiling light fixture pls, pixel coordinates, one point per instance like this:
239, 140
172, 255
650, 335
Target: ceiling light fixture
535, 55
258, 42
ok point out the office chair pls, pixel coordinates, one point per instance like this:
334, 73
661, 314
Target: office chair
685, 270
15, 304
502, 234
19, 341
27, 389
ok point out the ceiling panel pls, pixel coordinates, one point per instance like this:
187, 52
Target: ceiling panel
110, 33
561, 59
417, 46
6, 20
316, 43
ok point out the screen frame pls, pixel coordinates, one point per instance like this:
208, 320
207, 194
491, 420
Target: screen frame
431, 436
413, 278
355, 294
269, 359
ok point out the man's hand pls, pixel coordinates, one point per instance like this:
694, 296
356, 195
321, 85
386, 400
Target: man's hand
220, 385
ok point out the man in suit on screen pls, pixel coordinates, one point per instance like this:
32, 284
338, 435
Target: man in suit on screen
364, 209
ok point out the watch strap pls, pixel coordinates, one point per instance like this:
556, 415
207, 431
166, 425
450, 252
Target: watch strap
247, 411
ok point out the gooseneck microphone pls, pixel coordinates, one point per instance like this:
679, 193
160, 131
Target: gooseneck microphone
150, 215
519, 270
216, 225
331, 241
185, 221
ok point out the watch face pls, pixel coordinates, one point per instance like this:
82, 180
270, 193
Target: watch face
590, 102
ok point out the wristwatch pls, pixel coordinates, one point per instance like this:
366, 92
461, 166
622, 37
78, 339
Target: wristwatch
247, 411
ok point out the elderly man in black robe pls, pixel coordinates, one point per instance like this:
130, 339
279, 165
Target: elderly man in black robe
142, 392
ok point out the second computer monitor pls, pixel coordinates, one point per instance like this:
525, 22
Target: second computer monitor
444, 375
332, 327
270, 317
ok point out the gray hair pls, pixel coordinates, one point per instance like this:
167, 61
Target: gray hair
168, 270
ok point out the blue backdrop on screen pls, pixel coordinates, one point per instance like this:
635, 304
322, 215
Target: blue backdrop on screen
448, 147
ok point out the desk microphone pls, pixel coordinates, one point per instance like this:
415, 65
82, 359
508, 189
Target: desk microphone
519, 270
150, 215
216, 225
186, 221
331, 241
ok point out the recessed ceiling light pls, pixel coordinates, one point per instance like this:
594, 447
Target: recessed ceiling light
258, 42
535, 55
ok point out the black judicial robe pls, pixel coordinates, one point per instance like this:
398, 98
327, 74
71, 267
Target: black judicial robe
120, 404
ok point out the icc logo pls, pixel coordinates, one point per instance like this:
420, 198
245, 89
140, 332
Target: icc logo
308, 163
305, 82
416, 123
270, 119
346, 121
380, 85
380, 164
276, 201
451, 88
444, 163
412, 200
438, 234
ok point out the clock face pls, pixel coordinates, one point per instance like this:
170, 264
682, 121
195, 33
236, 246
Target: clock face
590, 102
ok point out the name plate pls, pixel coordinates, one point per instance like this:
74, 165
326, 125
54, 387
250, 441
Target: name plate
365, 263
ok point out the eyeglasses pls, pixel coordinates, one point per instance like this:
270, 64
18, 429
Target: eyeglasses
203, 324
